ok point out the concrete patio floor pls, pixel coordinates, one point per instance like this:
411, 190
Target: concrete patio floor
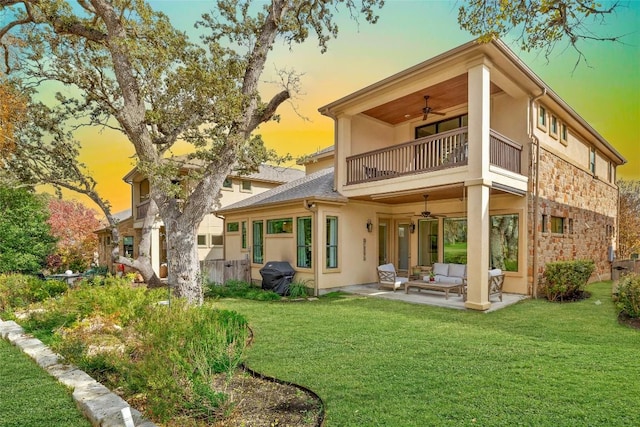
427, 297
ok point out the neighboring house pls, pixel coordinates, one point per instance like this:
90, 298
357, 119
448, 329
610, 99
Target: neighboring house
515, 179
236, 187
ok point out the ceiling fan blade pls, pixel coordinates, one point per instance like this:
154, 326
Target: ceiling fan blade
424, 116
438, 113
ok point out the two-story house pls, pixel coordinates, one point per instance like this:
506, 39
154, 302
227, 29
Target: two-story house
235, 188
467, 157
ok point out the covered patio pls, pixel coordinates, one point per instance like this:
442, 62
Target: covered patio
426, 297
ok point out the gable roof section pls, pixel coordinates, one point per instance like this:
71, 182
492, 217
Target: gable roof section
318, 186
270, 173
503, 57
265, 173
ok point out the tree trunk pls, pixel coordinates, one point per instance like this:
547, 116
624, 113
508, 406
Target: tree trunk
183, 262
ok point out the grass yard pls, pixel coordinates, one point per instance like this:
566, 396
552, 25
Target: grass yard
29, 397
376, 362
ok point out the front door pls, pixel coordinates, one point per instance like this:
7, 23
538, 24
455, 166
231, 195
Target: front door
403, 247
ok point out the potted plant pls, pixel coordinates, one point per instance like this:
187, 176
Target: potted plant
432, 277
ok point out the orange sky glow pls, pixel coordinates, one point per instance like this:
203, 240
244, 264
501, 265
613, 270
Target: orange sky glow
606, 92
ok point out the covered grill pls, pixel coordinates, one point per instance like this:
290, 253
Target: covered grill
277, 276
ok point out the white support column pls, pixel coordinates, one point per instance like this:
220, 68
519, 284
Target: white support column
155, 249
478, 186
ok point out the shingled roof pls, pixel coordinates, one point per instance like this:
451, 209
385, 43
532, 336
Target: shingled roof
318, 185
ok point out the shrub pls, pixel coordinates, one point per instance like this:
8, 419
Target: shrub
565, 280
239, 289
181, 349
298, 290
117, 300
627, 298
19, 290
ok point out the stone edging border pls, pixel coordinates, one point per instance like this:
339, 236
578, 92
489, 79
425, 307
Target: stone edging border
98, 404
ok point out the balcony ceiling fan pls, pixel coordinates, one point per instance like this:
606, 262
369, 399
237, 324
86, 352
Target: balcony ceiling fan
428, 110
427, 213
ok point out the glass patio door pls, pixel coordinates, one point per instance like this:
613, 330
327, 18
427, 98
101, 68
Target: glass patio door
427, 241
403, 247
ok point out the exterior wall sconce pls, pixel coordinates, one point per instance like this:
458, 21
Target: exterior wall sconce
369, 226
412, 227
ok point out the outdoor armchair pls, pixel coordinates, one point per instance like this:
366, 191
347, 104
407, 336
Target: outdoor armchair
388, 277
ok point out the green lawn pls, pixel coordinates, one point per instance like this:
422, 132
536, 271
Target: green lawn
29, 397
383, 363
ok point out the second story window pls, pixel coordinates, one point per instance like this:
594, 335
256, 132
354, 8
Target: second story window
592, 160
227, 183
542, 117
246, 185
144, 190
442, 126
553, 128
564, 133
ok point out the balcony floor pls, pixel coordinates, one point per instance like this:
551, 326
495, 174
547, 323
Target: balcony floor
434, 298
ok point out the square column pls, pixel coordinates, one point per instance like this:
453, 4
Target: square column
478, 186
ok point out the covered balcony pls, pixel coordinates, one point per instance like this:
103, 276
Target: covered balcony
443, 150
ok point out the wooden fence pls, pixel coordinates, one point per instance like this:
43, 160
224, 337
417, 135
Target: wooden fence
624, 266
220, 270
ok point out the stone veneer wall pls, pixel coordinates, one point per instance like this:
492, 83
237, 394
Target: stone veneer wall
589, 207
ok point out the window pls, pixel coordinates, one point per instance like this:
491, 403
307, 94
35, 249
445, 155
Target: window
592, 160
503, 241
107, 241
303, 240
557, 225
542, 117
258, 242
227, 183
332, 242
427, 241
545, 227
202, 240
127, 246
144, 189
441, 126
217, 240
246, 186
455, 240
564, 133
280, 226
553, 128
244, 234
233, 227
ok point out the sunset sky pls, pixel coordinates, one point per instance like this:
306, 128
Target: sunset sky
605, 92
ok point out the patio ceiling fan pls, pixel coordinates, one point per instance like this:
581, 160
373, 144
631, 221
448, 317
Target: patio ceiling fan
428, 110
427, 213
